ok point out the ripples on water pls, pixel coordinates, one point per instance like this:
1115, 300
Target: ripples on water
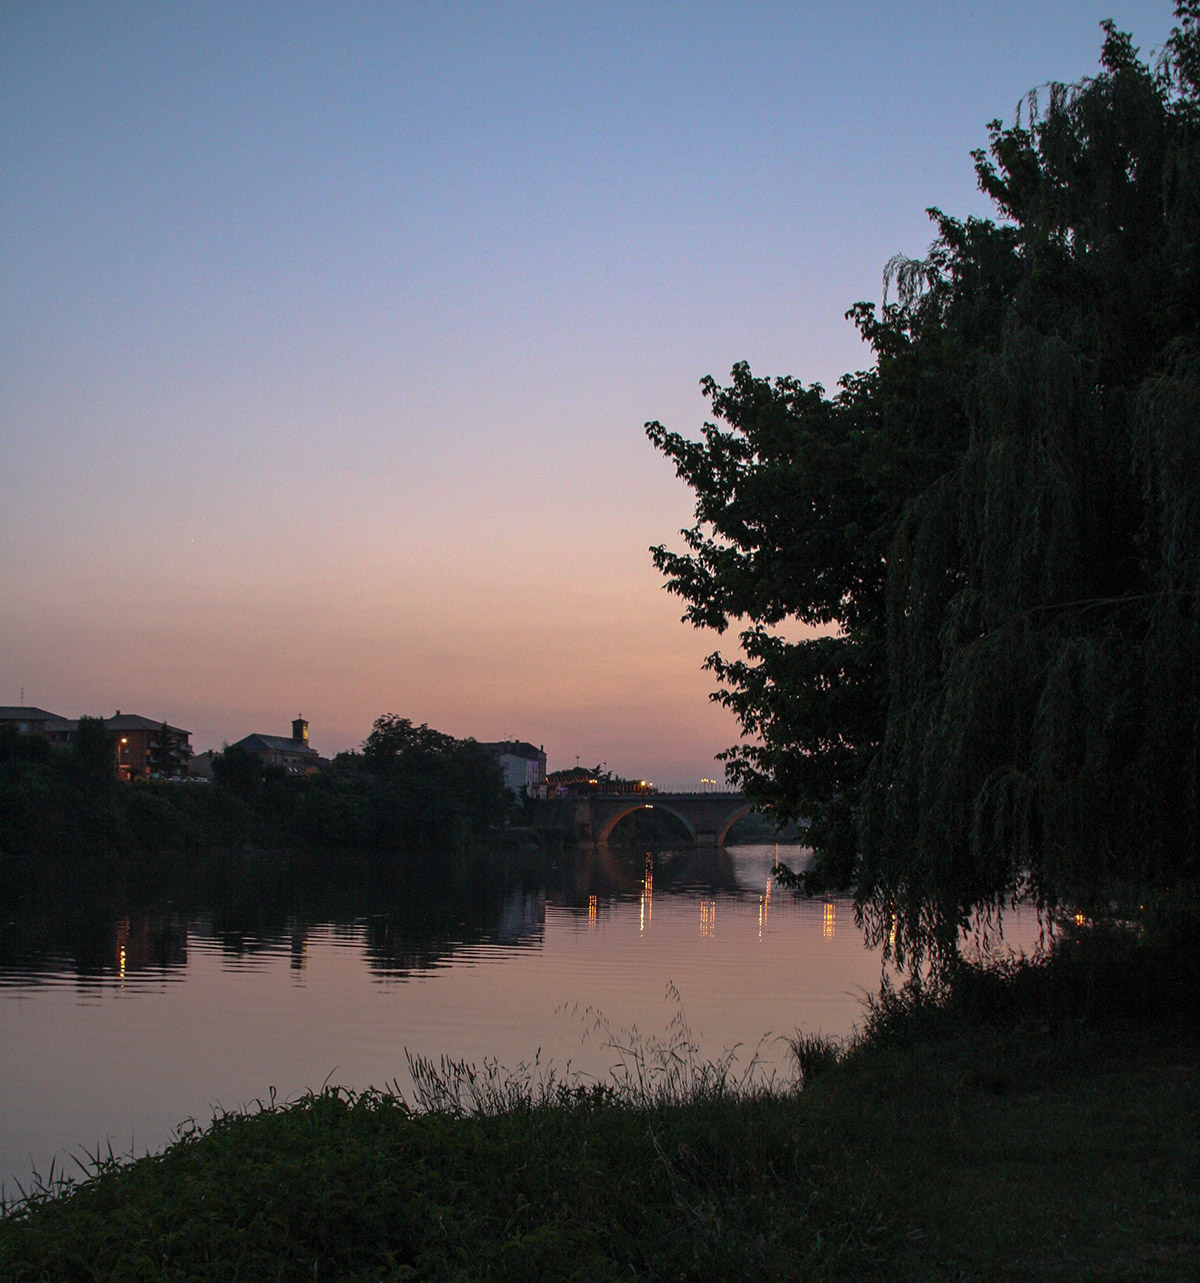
120, 1018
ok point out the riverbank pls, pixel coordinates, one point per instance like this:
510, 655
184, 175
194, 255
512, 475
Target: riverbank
1041, 1123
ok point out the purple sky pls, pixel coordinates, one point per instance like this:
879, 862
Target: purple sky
328, 331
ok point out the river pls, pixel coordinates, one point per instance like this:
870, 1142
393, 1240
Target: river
127, 1010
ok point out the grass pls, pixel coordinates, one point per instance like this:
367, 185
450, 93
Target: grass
1031, 1123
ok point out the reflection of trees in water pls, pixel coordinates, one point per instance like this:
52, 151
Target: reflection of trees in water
151, 941
120, 918
92, 919
456, 904
93, 947
404, 941
125, 916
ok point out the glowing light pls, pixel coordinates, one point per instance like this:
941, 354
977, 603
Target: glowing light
591, 911
647, 910
827, 921
708, 918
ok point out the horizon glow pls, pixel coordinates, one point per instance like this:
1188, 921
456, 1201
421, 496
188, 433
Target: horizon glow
329, 335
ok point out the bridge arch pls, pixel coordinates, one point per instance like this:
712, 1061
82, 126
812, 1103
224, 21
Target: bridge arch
611, 822
731, 821
706, 817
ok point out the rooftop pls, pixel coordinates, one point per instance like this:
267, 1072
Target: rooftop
20, 713
275, 743
514, 748
133, 722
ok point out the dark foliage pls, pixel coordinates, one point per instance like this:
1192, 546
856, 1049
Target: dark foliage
969, 583
412, 789
427, 787
55, 801
238, 770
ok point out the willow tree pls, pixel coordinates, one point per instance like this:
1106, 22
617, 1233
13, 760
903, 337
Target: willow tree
997, 526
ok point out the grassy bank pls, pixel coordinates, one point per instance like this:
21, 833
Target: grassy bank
1039, 1123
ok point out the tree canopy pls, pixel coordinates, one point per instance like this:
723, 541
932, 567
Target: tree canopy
967, 586
433, 787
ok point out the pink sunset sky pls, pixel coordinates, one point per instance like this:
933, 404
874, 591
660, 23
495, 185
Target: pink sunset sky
329, 333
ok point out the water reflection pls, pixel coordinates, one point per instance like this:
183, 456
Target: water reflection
127, 924
131, 997
60, 923
708, 918
764, 904
646, 917
152, 942
92, 947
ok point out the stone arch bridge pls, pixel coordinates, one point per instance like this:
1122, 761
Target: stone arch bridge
707, 817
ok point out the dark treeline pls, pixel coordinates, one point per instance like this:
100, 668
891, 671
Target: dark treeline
410, 789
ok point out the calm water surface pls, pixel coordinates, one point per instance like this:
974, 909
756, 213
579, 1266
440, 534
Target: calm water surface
122, 1015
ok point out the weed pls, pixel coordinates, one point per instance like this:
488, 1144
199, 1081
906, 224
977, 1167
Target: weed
814, 1054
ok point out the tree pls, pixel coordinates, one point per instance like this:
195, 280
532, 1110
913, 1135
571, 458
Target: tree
168, 753
434, 790
477, 779
239, 770
787, 533
997, 526
94, 755
395, 745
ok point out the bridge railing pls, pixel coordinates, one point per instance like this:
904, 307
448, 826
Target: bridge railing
690, 797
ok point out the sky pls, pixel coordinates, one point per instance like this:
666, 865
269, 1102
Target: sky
328, 334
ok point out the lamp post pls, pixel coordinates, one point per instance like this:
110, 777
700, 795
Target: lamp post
120, 747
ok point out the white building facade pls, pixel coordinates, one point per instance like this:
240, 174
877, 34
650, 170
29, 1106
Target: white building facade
524, 766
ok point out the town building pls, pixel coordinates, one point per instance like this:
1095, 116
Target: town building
575, 779
524, 766
295, 755
595, 779
146, 747
200, 766
37, 721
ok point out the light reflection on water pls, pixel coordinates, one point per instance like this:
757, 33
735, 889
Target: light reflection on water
115, 1029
